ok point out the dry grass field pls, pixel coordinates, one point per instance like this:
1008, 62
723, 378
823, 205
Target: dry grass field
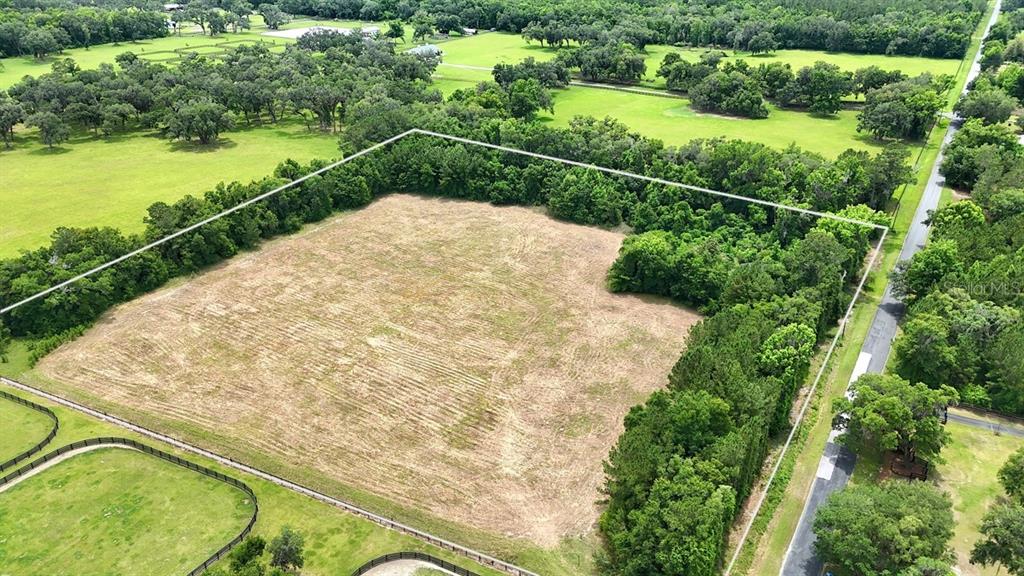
451, 356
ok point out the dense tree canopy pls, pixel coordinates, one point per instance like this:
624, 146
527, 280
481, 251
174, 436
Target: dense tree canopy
889, 413
880, 530
41, 33
911, 27
904, 109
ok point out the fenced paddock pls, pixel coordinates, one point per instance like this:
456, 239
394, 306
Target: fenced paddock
418, 556
38, 446
103, 442
294, 33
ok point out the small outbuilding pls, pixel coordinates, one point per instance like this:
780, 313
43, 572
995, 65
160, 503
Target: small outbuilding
426, 51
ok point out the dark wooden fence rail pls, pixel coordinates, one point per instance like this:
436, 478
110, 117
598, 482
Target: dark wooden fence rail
413, 556
384, 521
115, 441
39, 446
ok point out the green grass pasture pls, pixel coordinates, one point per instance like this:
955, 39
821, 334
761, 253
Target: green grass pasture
20, 428
91, 181
116, 511
675, 122
969, 476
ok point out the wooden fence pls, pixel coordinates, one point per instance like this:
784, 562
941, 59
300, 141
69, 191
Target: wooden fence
443, 564
127, 442
11, 463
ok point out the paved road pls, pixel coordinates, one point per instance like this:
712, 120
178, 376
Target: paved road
986, 424
837, 462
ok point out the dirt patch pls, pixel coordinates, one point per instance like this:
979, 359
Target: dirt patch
451, 356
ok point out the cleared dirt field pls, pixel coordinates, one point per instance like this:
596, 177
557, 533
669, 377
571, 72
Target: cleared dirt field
451, 356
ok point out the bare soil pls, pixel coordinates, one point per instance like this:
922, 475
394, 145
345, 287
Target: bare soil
451, 356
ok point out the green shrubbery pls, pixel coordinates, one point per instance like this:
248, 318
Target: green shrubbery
965, 290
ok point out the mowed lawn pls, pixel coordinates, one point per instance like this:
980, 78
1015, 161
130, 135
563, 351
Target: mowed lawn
116, 511
20, 428
498, 47
92, 181
675, 122
969, 476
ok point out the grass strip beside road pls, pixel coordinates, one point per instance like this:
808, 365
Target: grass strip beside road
782, 513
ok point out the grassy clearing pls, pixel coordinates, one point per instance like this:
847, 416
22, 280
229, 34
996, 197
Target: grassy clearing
675, 122
92, 181
336, 542
115, 510
20, 428
969, 476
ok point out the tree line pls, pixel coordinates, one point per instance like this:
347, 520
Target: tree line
41, 33
320, 80
909, 27
963, 325
964, 290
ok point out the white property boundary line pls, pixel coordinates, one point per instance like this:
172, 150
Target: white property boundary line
365, 151
204, 222
840, 330
385, 521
